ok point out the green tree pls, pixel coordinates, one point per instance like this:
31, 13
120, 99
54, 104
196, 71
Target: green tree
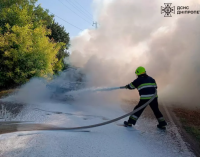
25, 48
42, 16
59, 34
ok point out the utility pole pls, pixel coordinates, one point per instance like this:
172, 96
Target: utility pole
95, 24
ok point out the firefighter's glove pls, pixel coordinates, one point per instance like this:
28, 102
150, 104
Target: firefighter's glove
127, 86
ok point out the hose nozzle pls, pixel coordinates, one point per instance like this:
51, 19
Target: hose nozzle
123, 87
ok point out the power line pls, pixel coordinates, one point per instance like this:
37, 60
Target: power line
73, 3
79, 9
66, 21
74, 12
82, 7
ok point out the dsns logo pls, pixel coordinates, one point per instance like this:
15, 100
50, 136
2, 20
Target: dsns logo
167, 10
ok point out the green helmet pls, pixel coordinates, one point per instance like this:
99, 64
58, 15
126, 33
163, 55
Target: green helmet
140, 70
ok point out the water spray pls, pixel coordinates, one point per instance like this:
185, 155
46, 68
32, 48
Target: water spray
89, 90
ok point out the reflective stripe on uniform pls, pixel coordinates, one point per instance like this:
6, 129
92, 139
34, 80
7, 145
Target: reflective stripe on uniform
132, 86
147, 97
146, 86
161, 119
133, 117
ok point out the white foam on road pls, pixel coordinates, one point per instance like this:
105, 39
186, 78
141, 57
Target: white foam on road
105, 141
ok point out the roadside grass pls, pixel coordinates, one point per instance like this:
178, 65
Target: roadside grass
190, 120
4, 93
194, 131
4, 113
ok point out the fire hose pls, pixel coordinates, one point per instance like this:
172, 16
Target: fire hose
22, 127
116, 119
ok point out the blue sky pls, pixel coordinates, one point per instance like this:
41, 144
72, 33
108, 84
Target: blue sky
77, 12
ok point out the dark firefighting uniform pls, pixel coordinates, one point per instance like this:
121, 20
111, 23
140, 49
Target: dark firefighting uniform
146, 86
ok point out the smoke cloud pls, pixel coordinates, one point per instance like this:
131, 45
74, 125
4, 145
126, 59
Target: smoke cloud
133, 33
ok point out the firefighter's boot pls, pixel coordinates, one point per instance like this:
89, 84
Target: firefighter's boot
161, 123
131, 121
127, 124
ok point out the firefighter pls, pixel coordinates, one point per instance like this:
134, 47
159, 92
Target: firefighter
146, 86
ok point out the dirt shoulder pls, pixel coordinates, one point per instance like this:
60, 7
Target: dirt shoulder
189, 124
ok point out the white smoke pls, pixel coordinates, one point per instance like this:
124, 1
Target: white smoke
33, 91
132, 33
40, 89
